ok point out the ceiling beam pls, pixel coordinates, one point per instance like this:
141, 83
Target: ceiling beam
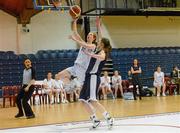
8, 11
27, 13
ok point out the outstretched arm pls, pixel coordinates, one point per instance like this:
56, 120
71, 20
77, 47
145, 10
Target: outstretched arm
101, 56
99, 28
82, 42
75, 30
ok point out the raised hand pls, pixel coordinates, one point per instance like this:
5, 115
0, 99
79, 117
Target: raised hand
98, 22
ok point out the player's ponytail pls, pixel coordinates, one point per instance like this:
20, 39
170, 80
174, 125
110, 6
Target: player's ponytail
107, 46
95, 38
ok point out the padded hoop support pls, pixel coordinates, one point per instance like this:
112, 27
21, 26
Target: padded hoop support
49, 7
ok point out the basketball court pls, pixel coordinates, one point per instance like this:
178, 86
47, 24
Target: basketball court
151, 114
165, 123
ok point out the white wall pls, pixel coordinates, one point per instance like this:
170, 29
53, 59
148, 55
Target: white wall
48, 31
51, 31
8, 29
140, 31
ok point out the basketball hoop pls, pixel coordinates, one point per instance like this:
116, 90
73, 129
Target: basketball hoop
53, 5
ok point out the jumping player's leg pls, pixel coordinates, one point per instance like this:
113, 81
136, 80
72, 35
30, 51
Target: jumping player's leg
92, 113
64, 74
103, 111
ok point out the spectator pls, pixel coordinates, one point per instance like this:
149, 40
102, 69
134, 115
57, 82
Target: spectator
117, 83
77, 87
59, 90
72, 87
48, 85
136, 72
159, 81
26, 91
174, 74
105, 85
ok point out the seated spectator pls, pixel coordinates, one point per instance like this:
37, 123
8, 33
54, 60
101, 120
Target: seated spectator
159, 81
174, 74
117, 83
105, 85
72, 87
59, 90
48, 85
77, 87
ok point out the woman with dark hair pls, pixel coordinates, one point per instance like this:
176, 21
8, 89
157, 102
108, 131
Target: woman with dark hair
136, 80
90, 89
88, 94
26, 91
174, 73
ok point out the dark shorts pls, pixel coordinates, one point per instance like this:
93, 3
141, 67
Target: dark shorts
90, 88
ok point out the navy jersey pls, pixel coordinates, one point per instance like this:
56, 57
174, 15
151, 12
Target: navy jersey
95, 65
92, 79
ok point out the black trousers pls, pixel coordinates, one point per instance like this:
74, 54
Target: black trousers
136, 81
22, 100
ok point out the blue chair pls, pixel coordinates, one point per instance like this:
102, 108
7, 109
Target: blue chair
69, 55
178, 51
166, 51
152, 52
61, 55
53, 55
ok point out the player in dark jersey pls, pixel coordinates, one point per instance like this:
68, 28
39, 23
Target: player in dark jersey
88, 94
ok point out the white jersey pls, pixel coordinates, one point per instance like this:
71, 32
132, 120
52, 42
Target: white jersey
49, 83
158, 78
83, 59
58, 84
105, 80
116, 79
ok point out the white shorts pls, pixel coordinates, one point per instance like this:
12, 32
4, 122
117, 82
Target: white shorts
116, 85
57, 90
46, 91
77, 71
160, 84
106, 85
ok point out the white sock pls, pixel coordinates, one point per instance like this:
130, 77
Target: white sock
52, 99
106, 115
58, 99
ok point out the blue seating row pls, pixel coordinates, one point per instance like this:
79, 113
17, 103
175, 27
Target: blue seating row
11, 65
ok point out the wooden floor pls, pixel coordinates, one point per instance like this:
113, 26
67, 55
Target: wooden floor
49, 114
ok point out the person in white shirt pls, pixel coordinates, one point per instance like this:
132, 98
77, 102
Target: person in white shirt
159, 81
117, 83
59, 90
105, 85
72, 87
48, 85
77, 85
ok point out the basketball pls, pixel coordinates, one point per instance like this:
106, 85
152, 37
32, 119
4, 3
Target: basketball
75, 11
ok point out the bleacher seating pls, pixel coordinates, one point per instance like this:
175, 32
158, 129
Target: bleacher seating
11, 65
149, 59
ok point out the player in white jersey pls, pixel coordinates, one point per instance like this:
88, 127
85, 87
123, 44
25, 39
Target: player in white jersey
59, 90
105, 85
159, 81
117, 83
82, 60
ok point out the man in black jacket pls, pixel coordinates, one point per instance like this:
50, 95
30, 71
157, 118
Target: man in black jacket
26, 91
